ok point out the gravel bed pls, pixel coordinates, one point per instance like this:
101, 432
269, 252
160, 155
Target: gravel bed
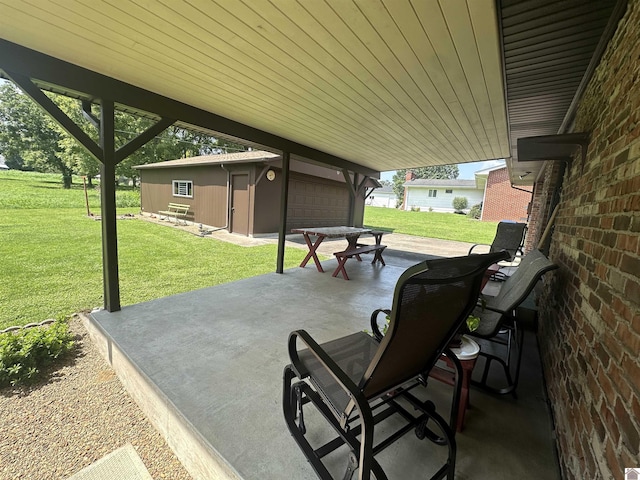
78, 414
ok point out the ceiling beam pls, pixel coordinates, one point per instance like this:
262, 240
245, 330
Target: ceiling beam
43, 68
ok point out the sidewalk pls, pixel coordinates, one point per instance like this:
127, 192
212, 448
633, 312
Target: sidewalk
398, 242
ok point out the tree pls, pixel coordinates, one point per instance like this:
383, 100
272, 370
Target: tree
26, 132
438, 172
15, 162
31, 138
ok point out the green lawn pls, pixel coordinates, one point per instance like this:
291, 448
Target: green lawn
52, 260
51, 253
447, 226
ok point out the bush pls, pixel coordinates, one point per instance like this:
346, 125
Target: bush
460, 203
23, 354
127, 198
475, 211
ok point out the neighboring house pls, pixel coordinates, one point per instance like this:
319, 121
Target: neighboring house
491, 187
383, 197
3, 166
501, 200
241, 192
437, 195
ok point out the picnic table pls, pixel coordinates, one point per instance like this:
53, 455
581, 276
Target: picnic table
350, 233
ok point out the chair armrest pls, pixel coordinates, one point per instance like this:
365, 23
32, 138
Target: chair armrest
476, 245
326, 361
375, 327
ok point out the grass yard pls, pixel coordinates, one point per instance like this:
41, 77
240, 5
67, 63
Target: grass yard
51, 250
447, 226
52, 253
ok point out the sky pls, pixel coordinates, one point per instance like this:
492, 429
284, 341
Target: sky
466, 169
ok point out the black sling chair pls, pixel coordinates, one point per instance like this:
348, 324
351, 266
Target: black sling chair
501, 336
357, 381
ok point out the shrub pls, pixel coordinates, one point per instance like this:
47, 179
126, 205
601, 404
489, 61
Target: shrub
460, 203
127, 198
475, 211
23, 354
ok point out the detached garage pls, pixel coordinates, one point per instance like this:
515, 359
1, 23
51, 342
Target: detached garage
241, 192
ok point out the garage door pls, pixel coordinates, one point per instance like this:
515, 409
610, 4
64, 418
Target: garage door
316, 202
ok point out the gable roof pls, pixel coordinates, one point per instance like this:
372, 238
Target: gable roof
442, 183
239, 157
384, 189
486, 171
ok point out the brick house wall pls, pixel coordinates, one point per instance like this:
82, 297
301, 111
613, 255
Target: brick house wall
502, 201
545, 195
590, 308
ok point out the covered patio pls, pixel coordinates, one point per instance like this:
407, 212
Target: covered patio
365, 87
206, 367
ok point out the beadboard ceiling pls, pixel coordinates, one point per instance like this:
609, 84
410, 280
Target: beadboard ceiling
382, 83
377, 84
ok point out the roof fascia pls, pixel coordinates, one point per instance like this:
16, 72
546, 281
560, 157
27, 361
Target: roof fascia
38, 66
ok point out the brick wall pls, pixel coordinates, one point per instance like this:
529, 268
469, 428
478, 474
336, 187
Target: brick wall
545, 195
501, 201
590, 308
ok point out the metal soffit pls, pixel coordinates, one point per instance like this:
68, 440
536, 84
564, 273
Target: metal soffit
550, 51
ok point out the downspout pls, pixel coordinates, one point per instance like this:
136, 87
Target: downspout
484, 198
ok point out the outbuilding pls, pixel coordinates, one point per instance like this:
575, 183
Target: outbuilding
241, 192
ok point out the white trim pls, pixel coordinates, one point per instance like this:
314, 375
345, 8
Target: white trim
188, 184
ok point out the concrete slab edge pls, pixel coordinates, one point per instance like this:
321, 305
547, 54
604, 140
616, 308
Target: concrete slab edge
195, 453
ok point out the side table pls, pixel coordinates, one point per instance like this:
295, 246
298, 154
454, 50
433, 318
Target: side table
467, 353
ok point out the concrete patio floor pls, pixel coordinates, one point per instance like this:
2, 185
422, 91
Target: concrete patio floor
206, 368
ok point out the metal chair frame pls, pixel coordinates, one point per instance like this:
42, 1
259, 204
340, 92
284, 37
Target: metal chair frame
509, 236
503, 330
369, 405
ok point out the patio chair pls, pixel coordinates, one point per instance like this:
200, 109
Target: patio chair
499, 324
359, 380
509, 237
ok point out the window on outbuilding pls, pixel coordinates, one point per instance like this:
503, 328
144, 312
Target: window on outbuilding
183, 188
433, 193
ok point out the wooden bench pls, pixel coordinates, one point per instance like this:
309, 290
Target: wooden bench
176, 210
377, 235
356, 251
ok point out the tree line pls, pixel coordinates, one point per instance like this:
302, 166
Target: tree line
31, 140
